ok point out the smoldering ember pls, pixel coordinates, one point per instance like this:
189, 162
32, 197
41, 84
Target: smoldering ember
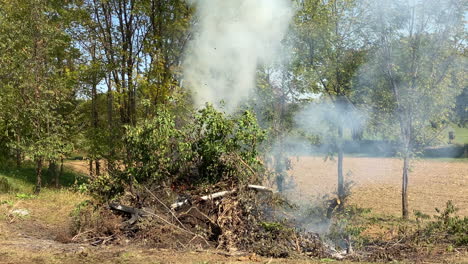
233, 131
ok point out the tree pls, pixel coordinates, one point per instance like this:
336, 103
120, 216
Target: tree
330, 49
138, 46
38, 81
415, 68
276, 103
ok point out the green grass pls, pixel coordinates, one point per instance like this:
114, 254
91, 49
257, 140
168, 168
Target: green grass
445, 159
461, 134
22, 180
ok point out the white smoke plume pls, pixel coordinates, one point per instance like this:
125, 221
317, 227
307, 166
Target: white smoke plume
231, 39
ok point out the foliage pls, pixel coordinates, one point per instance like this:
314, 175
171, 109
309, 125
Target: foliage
5, 186
205, 149
447, 226
347, 226
415, 64
155, 148
217, 135
105, 187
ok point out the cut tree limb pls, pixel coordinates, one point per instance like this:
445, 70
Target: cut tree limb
221, 194
134, 212
260, 188
204, 198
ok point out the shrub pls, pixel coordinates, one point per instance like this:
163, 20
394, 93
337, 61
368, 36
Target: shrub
5, 186
448, 227
210, 146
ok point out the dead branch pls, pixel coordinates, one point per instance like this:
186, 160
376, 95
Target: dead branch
204, 198
213, 196
224, 253
245, 164
260, 188
134, 212
165, 206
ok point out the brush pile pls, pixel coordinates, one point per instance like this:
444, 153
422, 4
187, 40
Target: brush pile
189, 185
238, 220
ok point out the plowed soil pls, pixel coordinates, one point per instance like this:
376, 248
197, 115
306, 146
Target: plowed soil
378, 182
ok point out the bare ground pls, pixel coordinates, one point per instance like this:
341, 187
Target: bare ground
378, 182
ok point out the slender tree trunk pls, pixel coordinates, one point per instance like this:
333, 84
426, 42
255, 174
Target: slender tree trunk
110, 123
37, 190
98, 167
280, 166
341, 190
18, 152
60, 173
94, 114
404, 187
91, 173
52, 170
57, 176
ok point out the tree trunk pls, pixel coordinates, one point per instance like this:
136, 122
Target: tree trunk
37, 189
60, 173
18, 153
110, 123
280, 168
404, 187
341, 190
53, 171
91, 174
98, 167
57, 177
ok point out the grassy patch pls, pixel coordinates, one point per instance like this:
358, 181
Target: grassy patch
446, 159
51, 207
461, 134
24, 178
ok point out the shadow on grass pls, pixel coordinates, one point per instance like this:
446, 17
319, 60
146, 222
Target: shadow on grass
27, 174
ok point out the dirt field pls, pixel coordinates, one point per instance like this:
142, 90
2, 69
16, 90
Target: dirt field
378, 182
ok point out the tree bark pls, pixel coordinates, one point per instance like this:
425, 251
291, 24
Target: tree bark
60, 173
341, 191
404, 187
98, 167
18, 152
110, 99
91, 173
53, 171
37, 189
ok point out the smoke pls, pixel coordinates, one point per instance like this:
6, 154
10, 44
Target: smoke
323, 119
231, 39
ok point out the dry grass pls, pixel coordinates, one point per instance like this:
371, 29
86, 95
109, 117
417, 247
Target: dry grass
134, 255
378, 182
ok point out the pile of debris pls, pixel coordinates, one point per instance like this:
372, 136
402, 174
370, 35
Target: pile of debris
248, 218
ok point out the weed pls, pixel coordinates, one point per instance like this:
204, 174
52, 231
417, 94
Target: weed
7, 202
25, 196
272, 226
448, 226
6, 186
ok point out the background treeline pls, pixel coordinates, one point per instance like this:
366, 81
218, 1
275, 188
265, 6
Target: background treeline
102, 78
